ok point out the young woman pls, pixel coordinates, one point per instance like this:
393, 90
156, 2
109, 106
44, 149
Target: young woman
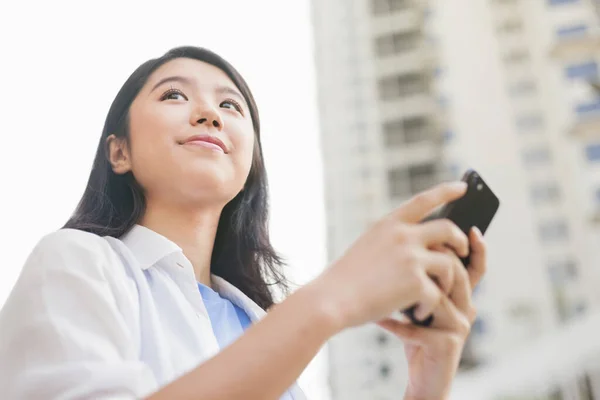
156, 287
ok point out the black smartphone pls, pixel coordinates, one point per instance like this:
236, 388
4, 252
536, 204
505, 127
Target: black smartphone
477, 208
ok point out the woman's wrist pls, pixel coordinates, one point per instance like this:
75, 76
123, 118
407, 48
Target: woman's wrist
410, 396
329, 313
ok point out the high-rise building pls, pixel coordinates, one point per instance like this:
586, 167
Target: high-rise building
382, 142
414, 92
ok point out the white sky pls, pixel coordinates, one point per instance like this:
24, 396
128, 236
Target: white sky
62, 63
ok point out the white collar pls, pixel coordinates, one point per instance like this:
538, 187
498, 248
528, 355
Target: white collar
149, 247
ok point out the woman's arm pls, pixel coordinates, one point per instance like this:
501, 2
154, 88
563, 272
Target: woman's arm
387, 269
266, 360
64, 335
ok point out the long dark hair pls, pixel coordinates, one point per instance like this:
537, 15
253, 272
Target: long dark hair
112, 204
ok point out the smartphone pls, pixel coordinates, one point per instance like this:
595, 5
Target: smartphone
477, 207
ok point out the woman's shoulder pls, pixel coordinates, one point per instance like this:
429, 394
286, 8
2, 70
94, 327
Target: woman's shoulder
72, 248
67, 237
72, 240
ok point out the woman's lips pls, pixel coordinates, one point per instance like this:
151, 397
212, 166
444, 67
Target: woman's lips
204, 143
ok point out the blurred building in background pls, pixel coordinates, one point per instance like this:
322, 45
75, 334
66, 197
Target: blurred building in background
381, 143
414, 92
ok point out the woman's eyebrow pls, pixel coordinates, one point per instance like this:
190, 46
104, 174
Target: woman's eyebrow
175, 78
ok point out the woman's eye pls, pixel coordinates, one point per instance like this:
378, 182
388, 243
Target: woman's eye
173, 95
232, 104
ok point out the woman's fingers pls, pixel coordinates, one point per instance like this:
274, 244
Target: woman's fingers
429, 298
460, 293
478, 265
437, 340
454, 281
449, 316
418, 207
439, 266
443, 232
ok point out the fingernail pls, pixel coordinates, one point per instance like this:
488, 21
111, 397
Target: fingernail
460, 185
477, 232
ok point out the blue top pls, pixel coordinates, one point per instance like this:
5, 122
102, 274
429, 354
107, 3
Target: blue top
228, 320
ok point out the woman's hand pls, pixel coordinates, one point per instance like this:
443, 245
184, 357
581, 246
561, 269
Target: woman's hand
393, 265
433, 353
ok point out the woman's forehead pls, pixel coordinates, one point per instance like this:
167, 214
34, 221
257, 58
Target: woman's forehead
198, 72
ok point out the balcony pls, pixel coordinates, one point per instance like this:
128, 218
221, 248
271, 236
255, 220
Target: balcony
588, 128
421, 58
418, 104
580, 44
424, 152
588, 124
468, 360
409, 17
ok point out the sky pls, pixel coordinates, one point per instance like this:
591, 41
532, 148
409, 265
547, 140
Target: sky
62, 63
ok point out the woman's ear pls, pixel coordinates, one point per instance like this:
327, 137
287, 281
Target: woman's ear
118, 154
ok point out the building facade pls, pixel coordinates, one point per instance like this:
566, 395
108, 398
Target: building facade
414, 92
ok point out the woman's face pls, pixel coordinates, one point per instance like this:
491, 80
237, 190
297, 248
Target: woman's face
191, 136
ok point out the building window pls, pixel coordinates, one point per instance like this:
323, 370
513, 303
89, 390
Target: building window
523, 311
416, 129
448, 135
556, 394
588, 71
538, 156
566, 307
393, 133
545, 192
580, 307
510, 26
572, 31
516, 56
522, 88
398, 183
384, 371
421, 177
398, 42
399, 86
388, 6
559, 2
592, 152
562, 271
529, 122
382, 339
479, 326
587, 109
406, 131
404, 182
553, 231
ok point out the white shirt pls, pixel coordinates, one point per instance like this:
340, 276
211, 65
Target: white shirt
95, 317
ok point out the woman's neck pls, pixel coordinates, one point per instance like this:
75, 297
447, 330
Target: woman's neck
194, 232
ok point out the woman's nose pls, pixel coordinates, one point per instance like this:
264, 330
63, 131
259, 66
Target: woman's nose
208, 116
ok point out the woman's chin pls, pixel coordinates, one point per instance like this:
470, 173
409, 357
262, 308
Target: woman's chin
209, 194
